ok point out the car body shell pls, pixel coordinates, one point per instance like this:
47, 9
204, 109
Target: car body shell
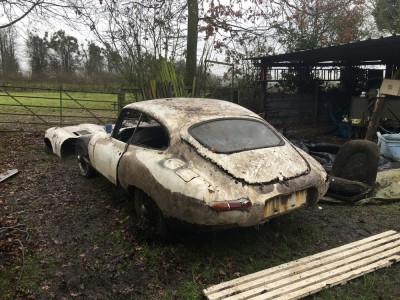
63, 139
187, 180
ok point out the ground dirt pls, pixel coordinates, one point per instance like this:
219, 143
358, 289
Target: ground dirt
67, 237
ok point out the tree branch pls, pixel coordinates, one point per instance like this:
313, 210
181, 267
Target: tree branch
22, 16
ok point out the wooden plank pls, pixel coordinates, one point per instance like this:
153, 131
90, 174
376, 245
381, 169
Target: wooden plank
305, 267
8, 174
311, 274
341, 279
285, 277
361, 267
298, 262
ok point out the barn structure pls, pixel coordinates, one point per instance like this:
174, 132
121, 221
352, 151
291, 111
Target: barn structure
322, 84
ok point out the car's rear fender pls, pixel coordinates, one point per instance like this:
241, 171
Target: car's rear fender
149, 170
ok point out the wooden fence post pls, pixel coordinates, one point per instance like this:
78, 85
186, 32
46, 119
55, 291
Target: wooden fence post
121, 99
61, 108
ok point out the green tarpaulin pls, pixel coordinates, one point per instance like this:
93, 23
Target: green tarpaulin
386, 189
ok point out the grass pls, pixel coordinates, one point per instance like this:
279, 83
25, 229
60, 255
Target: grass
208, 260
198, 260
118, 250
27, 277
53, 99
211, 258
376, 285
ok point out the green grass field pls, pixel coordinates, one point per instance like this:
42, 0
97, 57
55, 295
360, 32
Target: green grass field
57, 107
13, 101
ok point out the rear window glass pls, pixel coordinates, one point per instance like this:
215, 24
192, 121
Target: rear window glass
234, 135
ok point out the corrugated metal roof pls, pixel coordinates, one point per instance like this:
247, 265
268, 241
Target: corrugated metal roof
384, 50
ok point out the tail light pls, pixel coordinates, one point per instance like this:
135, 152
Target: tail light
238, 205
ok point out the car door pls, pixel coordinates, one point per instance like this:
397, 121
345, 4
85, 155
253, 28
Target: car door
105, 151
133, 131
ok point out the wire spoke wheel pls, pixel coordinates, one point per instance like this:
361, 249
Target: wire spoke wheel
85, 168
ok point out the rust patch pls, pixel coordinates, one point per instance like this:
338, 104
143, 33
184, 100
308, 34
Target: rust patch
284, 203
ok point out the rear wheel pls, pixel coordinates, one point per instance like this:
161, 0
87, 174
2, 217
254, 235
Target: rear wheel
85, 168
165, 232
147, 210
141, 209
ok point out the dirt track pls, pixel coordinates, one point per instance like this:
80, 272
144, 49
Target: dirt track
80, 239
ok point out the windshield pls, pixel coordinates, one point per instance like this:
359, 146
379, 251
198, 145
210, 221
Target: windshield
234, 135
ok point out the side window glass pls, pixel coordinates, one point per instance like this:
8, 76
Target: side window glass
126, 125
139, 129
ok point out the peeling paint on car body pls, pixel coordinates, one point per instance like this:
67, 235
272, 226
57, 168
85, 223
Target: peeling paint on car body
186, 179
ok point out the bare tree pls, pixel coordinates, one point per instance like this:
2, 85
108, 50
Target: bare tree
191, 42
150, 29
136, 33
13, 11
8, 60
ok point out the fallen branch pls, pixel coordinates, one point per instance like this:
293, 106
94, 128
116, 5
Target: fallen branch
22, 267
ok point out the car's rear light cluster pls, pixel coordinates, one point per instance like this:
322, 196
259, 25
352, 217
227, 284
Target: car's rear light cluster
238, 205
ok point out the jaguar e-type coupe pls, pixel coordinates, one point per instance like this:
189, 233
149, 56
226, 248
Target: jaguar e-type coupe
203, 162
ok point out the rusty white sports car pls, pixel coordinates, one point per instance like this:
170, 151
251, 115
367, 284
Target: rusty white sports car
202, 162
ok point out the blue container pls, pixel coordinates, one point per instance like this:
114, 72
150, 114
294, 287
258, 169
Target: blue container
389, 145
108, 128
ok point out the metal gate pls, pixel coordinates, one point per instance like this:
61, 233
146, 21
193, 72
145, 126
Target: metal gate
33, 109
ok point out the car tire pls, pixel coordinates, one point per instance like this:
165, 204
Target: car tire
357, 160
146, 210
141, 207
85, 168
163, 230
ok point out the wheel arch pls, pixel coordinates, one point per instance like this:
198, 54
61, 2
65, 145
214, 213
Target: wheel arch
84, 140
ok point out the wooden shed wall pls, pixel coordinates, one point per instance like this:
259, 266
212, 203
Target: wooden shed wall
284, 109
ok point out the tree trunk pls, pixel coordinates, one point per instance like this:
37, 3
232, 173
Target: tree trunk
191, 50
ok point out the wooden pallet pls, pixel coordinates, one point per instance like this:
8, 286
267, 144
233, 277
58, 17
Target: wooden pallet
308, 275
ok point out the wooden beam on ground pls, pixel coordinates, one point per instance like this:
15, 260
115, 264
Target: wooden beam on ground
306, 276
8, 174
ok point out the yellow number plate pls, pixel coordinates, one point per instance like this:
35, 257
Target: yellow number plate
281, 204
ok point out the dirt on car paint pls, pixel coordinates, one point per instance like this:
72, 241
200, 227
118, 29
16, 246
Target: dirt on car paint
65, 237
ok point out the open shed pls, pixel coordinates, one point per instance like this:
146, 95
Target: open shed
358, 67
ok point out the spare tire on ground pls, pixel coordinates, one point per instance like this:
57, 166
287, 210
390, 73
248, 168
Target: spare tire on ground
354, 171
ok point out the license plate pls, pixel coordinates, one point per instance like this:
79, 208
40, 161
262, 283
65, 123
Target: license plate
284, 203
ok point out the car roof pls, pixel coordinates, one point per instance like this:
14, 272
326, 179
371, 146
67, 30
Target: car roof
178, 112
